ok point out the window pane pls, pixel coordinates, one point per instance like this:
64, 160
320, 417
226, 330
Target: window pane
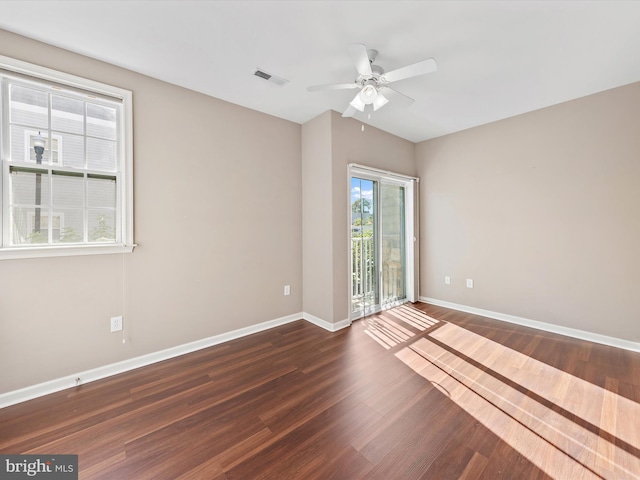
24, 225
27, 186
21, 145
68, 150
363, 247
67, 114
101, 192
101, 155
28, 106
46, 225
102, 226
393, 242
68, 191
71, 225
101, 121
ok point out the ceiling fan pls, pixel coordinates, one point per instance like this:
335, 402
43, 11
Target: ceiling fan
373, 81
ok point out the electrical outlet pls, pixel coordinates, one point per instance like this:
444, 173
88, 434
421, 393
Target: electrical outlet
469, 283
287, 289
447, 280
116, 324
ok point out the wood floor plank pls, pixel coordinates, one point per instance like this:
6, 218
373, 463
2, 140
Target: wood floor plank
474, 468
327, 436
418, 391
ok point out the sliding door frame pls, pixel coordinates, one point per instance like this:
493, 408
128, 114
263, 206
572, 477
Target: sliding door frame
410, 185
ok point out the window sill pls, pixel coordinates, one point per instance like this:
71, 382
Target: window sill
63, 251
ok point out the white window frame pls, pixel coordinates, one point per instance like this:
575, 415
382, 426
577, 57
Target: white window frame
45, 76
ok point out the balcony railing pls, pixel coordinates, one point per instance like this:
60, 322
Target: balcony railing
364, 275
363, 266
363, 283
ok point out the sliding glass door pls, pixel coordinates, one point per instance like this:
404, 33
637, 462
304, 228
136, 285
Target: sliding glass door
380, 250
392, 244
364, 254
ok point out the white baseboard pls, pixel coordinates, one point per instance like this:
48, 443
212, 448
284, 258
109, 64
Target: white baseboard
547, 327
332, 327
58, 384
52, 386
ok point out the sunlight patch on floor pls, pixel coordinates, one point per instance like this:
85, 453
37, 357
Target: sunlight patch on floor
548, 438
412, 316
386, 332
386, 327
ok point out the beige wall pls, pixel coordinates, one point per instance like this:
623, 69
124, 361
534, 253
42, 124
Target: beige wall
317, 224
541, 210
329, 144
218, 224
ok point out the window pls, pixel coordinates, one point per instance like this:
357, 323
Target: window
74, 196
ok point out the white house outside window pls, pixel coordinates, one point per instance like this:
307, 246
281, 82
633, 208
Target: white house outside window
55, 149
76, 197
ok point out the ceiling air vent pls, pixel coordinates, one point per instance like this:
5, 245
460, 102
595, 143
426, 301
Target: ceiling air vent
270, 78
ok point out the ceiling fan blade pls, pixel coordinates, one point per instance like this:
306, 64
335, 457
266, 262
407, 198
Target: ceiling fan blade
396, 97
361, 59
333, 86
349, 112
426, 66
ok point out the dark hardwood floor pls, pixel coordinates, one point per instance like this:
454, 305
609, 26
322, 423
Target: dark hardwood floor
415, 392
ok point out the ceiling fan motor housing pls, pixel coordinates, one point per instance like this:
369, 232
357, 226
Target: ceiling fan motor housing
377, 70
374, 79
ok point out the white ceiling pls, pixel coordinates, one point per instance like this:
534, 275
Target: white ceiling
495, 59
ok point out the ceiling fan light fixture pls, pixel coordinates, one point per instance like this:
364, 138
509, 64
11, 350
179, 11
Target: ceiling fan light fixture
357, 103
379, 102
368, 94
